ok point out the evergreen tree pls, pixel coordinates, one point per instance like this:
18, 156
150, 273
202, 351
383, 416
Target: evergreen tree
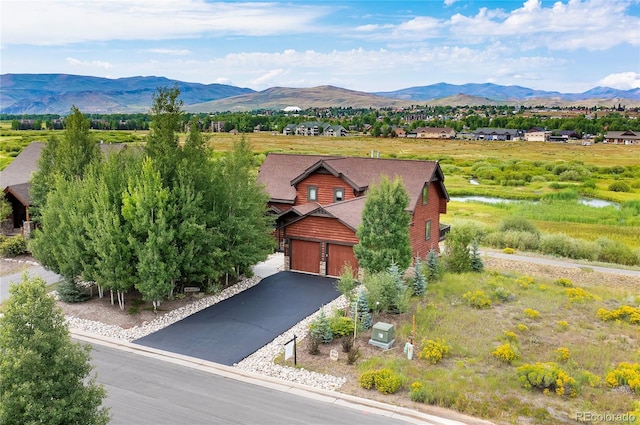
321, 328
457, 251
384, 231
476, 260
419, 281
363, 311
433, 266
45, 377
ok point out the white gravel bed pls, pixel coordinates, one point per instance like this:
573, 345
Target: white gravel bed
260, 362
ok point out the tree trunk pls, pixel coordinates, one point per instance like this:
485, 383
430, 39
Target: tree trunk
100, 291
112, 302
121, 300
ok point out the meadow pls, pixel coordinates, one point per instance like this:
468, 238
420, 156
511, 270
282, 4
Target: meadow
555, 173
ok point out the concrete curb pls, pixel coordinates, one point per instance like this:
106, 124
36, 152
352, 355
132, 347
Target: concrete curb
340, 399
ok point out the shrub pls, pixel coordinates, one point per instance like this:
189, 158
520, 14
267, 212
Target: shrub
563, 281
313, 345
384, 380
623, 313
525, 281
515, 239
509, 250
434, 268
434, 351
531, 313
418, 392
563, 325
320, 328
347, 284
506, 353
347, 344
522, 328
625, 374
353, 355
578, 295
477, 299
510, 336
14, 246
619, 186
546, 376
70, 292
562, 245
588, 378
419, 281
474, 257
562, 354
615, 252
341, 326
363, 311
384, 292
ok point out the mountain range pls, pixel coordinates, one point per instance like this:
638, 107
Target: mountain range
56, 93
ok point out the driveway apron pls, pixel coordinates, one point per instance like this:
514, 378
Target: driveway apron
235, 328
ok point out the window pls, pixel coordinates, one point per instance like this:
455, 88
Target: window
312, 193
338, 194
425, 194
427, 231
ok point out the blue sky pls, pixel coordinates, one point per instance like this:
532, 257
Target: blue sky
564, 45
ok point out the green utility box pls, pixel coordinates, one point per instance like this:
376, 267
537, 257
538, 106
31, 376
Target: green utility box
382, 335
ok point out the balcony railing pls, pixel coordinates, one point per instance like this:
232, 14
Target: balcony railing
444, 229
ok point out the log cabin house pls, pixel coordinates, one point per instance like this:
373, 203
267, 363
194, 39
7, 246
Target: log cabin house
318, 203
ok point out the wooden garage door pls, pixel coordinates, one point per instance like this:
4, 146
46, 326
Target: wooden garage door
338, 256
305, 256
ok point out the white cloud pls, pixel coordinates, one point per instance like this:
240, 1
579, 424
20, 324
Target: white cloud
622, 80
55, 22
172, 52
88, 64
267, 77
449, 2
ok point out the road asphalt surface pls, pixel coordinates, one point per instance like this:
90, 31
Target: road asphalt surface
144, 390
5, 281
235, 328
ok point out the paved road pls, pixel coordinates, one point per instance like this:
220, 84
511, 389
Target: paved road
235, 328
560, 262
5, 281
144, 390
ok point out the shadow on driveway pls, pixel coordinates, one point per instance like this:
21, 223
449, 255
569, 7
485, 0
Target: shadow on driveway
235, 328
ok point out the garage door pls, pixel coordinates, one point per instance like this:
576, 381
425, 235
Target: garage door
339, 255
305, 256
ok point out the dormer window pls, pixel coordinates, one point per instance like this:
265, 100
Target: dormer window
338, 194
312, 193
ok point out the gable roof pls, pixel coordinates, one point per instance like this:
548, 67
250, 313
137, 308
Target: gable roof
16, 177
348, 212
280, 173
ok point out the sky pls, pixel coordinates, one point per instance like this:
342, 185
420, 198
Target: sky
568, 46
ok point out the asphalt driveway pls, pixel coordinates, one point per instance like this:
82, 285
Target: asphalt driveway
235, 328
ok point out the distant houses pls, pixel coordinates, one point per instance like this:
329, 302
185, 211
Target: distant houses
504, 134
314, 128
626, 137
432, 133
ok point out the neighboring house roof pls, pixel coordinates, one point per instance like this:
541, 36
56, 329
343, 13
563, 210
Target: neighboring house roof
489, 130
281, 172
622, 134
19, 171
16, 177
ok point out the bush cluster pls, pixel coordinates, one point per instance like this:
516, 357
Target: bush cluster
69, 292
625, 374
434, 351
531, 313
562, 354
563, 281
619, 187
624, 313
506, 353
578, 295
418, 392
547, 377
13, 246
477, 299
384, 380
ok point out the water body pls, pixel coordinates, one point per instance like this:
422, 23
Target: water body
591, 202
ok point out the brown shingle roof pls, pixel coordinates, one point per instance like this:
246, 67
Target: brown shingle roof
280, 172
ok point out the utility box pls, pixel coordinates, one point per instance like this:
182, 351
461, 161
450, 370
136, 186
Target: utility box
382, 335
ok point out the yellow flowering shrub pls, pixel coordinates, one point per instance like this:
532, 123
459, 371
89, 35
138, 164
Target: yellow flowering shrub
579, 295
564, 282
625, 374
547, 376
590, 379
510, 336
508, 250
522, 327
562, 354
506, 353
384, 380
525, 281
418, 392
531, 313
477, 299
563, 325
624, 313
434, 351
